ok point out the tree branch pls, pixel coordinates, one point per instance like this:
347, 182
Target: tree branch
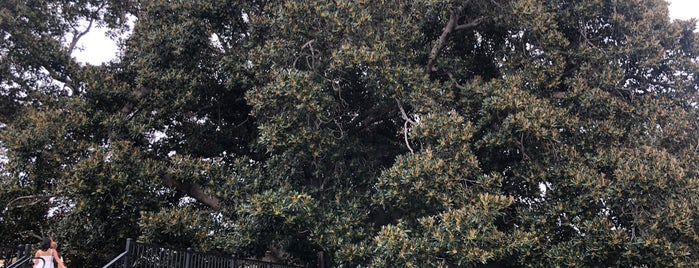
648, 81
440, 42
469, 25
193, 190
37, 199
403, 114
451, 26
77, 35
407, 119
405, 136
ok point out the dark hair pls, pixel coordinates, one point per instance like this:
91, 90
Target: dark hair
45, 244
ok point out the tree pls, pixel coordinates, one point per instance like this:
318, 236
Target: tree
38, 88
389, 133
574, 116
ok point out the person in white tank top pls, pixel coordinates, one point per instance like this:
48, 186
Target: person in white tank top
48, 255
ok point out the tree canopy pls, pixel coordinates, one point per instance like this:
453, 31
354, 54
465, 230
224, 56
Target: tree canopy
433, 133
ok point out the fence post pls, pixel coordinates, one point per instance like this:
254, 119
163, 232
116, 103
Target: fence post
188, 258
18, 252
129, 244
233, 262
25, 253
26, 250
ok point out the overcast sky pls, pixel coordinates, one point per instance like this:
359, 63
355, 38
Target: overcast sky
96, 48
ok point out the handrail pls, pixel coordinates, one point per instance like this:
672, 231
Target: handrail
118, 258
22, 255
19, 262
22, 261
142, 255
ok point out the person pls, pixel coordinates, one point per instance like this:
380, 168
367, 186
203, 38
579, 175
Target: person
48, 255
54, 246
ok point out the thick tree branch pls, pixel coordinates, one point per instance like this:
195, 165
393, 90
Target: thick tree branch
451, 26
440, 42
193, 190
77, 35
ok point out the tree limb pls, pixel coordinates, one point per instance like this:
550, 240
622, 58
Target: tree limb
404, 115
648, 81
405, 136
469, 25
451, 26
37, 199
37, 236
77, 35
193, 190
363, 118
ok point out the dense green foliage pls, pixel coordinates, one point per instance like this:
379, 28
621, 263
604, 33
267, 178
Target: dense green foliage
371, 133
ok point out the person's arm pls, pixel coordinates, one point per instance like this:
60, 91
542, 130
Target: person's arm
58, 260
36, 261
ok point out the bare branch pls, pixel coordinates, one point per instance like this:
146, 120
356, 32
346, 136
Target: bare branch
40, 237
520, 144
405, 136
403, 114
407, 119
79, 34
36, 200
440, 42
648, 80
497, 4
365, 118
451, 26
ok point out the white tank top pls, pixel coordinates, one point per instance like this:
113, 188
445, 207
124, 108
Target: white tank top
48, 260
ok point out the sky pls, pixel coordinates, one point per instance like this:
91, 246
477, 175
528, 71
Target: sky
95, 48
684, 9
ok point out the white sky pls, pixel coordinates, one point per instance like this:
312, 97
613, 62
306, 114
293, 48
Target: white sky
684, 9
95, 48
